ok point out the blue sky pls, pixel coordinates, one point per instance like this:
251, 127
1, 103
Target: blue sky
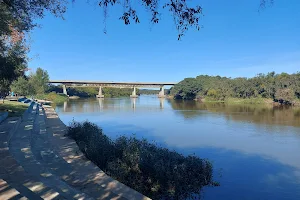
237, 40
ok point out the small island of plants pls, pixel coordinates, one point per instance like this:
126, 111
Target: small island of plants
151, 170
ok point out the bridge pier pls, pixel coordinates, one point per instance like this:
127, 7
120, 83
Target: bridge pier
65, 90
161, 93
133, 95
100, 95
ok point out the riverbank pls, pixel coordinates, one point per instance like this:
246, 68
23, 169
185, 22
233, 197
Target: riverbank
240, 101
69, 151
53, 97
39, 162
14, 108
248, 101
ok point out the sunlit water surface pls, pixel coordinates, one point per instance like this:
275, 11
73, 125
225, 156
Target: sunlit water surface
255, 150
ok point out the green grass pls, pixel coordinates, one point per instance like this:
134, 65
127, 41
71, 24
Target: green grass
13, 108
257, 100
52, 96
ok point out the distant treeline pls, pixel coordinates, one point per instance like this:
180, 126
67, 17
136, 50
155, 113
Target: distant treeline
283, 88
86, 92
152, 92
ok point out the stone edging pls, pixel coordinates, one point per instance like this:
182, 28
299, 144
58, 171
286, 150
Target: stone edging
116, 186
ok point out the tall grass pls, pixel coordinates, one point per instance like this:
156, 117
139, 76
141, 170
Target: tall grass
52, 96
154, 171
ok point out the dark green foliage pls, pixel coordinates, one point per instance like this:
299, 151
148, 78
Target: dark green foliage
24, 12
16, 20
21, 86
149, 92
35, 83
86, 92
185, 16
117, 92
221, 88
186, 89
12, 65
285, 96
154, 171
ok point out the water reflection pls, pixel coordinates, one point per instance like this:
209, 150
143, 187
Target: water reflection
267, 114
161, 103
133, 102
256, 146
100, 100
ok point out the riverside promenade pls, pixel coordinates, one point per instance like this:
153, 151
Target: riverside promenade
38, 162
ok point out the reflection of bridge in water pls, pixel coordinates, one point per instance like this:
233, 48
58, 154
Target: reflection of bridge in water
69, 107
101, 84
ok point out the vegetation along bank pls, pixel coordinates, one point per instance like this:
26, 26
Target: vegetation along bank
149, 169
264, 88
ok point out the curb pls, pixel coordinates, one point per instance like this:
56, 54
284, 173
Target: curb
119, 189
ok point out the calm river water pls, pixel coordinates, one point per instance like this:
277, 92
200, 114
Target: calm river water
255, 150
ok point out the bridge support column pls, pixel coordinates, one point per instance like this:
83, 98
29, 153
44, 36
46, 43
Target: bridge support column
100, 95
161, 93
133, 95
65, 90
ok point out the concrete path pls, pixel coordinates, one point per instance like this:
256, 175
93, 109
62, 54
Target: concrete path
38, 162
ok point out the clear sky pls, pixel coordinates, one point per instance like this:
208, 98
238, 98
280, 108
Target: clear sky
236, 40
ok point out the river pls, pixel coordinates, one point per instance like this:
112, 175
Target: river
255, 150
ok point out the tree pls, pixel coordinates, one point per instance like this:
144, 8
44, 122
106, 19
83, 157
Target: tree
21, 86
285, 96
186, 89
185, 14
39, 80
24, 12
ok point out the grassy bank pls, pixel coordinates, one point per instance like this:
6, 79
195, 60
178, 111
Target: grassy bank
262, 101
52, 96
13, 108
153, 171
253, 100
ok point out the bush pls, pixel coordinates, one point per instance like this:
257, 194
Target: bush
154, 171
285, 96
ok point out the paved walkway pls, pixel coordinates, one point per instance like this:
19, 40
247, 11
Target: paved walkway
38, 162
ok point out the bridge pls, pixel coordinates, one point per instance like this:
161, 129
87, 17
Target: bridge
100, 84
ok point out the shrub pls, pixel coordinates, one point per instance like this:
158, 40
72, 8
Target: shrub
154, 171
285, 96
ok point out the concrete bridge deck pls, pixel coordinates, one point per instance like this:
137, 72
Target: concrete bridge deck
119, 84
70, 82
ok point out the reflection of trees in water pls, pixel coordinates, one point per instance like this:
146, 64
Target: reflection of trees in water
261, 114
96, 105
